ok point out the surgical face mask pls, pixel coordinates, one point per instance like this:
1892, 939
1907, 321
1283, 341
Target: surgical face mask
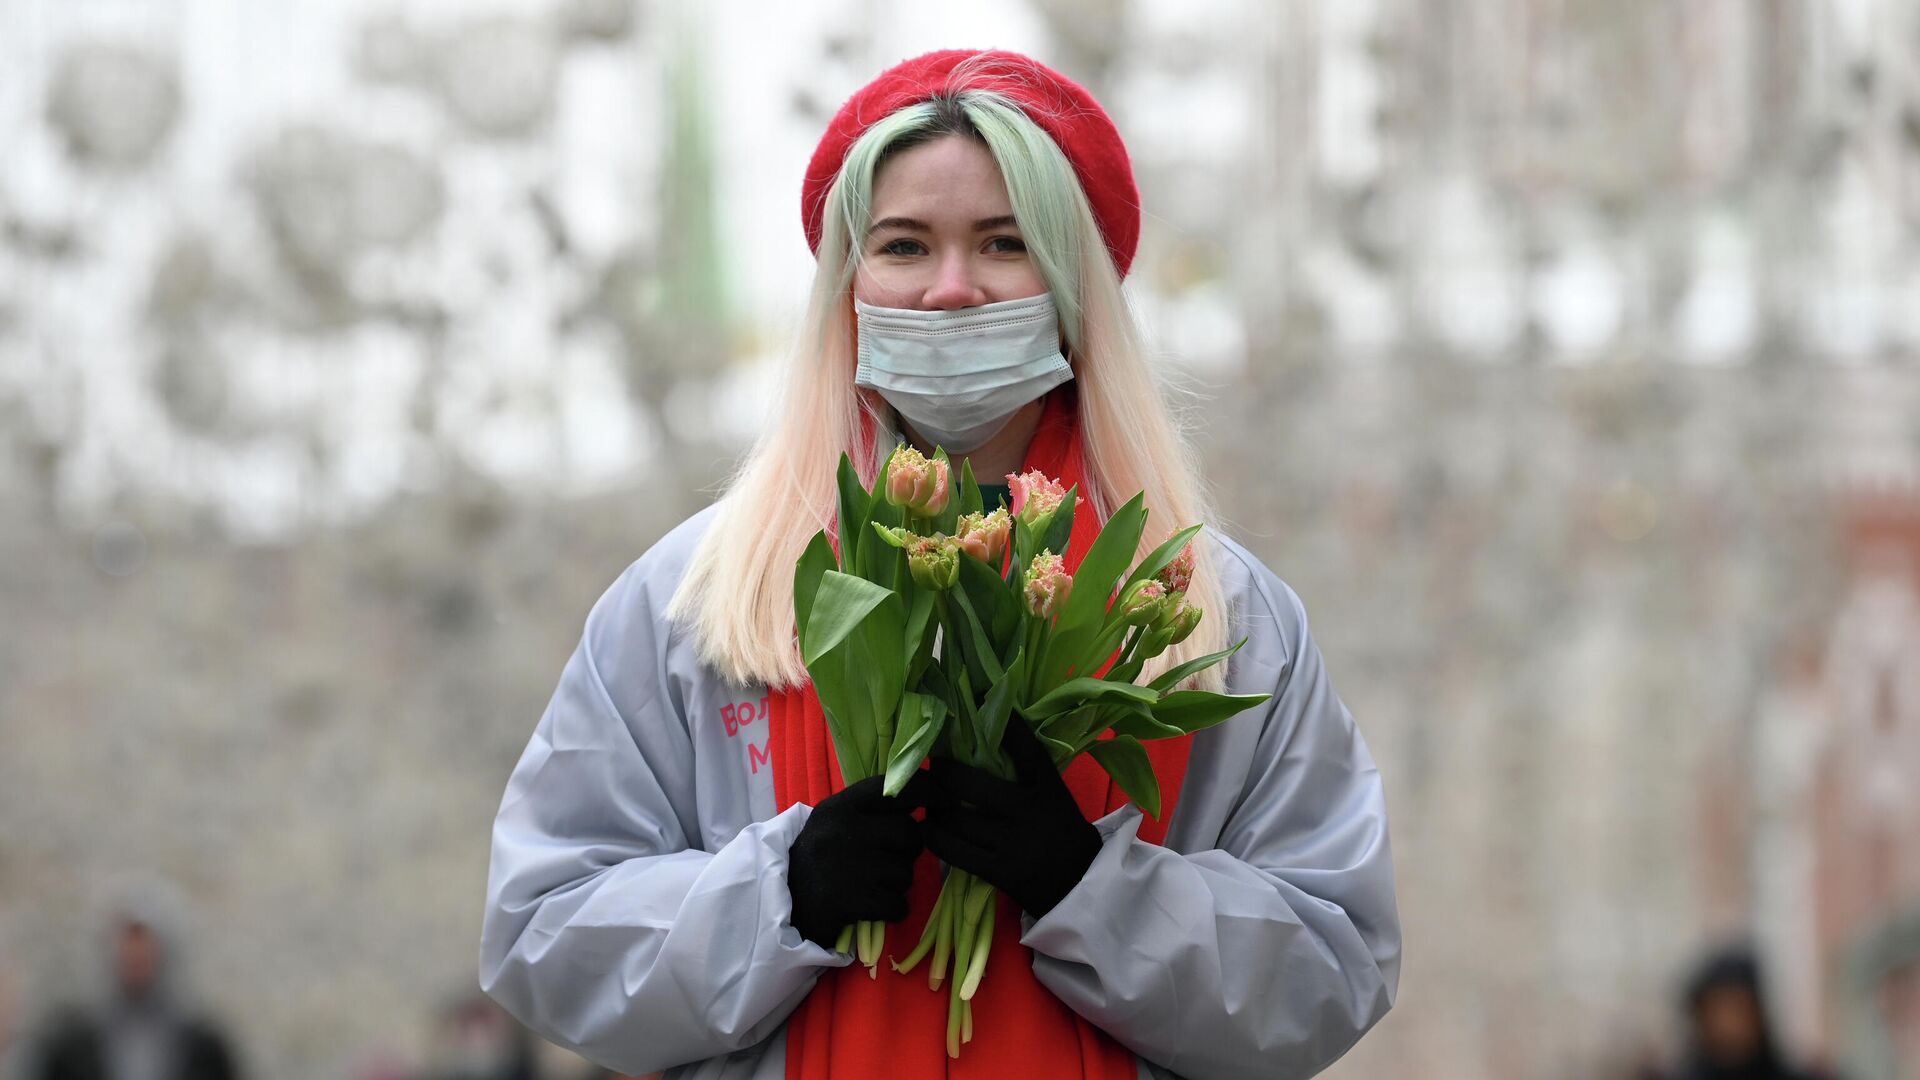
959, 376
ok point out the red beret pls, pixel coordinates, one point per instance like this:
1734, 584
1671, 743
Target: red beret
1061, 107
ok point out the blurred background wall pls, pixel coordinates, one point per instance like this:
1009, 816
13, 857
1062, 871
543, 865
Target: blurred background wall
1560, 353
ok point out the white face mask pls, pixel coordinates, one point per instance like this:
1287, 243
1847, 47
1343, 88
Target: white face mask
959, 376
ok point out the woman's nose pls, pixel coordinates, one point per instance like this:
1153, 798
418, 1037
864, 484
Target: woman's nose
956, 284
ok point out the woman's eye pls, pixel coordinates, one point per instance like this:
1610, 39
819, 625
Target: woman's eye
1007, 244
902, 246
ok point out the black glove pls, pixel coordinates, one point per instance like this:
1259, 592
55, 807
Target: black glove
853, 859
1025, 836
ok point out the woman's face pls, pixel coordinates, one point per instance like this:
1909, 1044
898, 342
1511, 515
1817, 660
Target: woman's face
943, 234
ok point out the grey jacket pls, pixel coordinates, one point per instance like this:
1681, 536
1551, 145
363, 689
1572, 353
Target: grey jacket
637, 906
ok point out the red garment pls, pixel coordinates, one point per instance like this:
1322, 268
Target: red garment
894, 1026
1062, 108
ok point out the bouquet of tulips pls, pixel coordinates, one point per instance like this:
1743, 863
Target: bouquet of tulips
937, 622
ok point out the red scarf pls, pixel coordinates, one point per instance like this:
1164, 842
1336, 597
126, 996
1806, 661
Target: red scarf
894, 1026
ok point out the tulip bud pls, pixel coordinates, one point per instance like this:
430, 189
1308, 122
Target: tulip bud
1048, 585
901, 477
1178, 574
1183, 622
935, 493
1143, 603
1035, 498
984, 536
934, 562
916, 484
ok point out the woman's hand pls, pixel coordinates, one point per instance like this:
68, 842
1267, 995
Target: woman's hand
1026, 836
853, 859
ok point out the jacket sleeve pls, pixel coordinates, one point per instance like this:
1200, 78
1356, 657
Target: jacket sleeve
607, 929
1270, 955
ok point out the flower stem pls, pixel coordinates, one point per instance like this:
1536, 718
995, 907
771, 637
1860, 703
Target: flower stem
844, 943
962, 934
927, 936
1133, 642
952, 893
978, 968
872, 939
955, 1020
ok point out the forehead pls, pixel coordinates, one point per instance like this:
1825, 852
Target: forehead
951, 177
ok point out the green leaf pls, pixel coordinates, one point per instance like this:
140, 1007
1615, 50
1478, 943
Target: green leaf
854, 650
934, 681
1084, 690
882, 512
1079, 626
990, 723
840, 605
967, 495
816, 560
884, 565
993, 600
1126, 761
981, 652
964, 740
881, 563
846, 704
1171, 677
1094, 580
1108, 638
1192, 710
1061, 530
923, 715
1072, 652
1080, 726
1059, 751
919, 637
1140, 723
855, 506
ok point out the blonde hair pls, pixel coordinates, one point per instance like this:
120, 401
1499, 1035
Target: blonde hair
737, 595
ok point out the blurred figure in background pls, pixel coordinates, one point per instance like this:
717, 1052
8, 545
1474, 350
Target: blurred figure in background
478, 1040
12, 1046
145, 1030
1729, 1036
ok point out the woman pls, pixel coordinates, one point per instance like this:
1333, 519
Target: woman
674, 855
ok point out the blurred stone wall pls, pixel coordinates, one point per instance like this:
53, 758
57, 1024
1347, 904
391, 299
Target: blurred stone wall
1540, 346
306, 741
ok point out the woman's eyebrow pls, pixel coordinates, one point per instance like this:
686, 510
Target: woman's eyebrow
907, 223
1004, 221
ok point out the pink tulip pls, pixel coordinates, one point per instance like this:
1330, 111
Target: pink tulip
984, 536
1035, 495
916, 484
934, 562
1048, 585
934, 493
972, 545
901, 479
1178, 574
